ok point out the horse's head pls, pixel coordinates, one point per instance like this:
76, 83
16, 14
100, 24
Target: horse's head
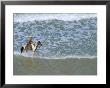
39, 43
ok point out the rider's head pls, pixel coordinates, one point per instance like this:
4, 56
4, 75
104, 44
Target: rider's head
30, 37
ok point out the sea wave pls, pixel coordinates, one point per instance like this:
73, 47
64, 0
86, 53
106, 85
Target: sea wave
59, 38
30, 55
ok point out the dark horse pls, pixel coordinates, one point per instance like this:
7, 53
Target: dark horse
32, 47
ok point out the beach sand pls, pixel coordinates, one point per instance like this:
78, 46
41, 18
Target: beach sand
36, 66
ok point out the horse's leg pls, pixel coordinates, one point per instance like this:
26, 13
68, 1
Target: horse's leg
26, 49
33, 53
33, 59
33, 48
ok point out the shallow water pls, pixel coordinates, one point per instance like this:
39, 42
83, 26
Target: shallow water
37, 66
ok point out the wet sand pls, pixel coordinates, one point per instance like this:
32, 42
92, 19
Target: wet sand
37, 66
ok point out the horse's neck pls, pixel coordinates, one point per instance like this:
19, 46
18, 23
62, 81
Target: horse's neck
34, 46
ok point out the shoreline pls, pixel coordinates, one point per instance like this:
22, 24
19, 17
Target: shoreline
36, 66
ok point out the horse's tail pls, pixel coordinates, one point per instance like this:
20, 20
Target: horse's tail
22, 48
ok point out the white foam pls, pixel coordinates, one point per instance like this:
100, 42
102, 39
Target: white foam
30, 54
21, 17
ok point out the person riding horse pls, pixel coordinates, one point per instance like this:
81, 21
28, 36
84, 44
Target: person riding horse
29, 43
30, 40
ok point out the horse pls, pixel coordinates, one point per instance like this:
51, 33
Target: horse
33, 47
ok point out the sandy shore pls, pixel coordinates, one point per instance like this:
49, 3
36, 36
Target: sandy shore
36, 66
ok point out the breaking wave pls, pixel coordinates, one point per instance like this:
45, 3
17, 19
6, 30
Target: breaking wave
60, 38
30, 55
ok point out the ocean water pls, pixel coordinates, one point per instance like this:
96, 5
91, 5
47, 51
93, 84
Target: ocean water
60, 38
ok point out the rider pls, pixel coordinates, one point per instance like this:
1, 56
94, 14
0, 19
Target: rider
29, 41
